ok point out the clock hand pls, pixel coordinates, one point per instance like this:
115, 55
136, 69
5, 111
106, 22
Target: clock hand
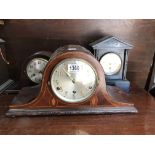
70, 77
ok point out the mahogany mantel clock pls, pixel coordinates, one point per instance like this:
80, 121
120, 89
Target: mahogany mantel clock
73, 83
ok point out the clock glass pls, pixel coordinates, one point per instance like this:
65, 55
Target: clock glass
111, 63
73, 80
35, 69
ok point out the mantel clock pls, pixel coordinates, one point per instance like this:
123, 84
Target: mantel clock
33, 67
73, 83
112, 53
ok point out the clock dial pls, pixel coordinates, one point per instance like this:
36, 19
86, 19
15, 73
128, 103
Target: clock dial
35, 69
73, 80
111, 63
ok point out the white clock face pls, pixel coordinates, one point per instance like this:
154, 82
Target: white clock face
35, 69
73, 80
111, 63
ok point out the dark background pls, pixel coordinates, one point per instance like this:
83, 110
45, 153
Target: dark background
24, 37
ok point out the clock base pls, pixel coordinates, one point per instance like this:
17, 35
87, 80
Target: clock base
71, 111
121, 84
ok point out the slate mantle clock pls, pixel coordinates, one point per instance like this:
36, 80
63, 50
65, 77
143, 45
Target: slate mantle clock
112, 53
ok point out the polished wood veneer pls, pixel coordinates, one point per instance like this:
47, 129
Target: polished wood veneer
140, 123
47, 103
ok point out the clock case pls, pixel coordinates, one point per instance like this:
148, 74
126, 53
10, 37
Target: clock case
110, 44
6, 83
150, 82
24, 79
47, 103
4, 75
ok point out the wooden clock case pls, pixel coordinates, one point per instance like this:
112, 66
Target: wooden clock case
47, 103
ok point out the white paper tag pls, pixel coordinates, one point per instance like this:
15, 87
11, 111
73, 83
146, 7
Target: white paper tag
74, 68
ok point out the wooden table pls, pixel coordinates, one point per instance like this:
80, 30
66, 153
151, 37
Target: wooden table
141, 123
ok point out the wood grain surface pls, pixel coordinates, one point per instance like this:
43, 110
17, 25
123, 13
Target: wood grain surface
47, 99
141, 123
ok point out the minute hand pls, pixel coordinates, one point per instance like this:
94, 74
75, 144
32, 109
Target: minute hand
70, 77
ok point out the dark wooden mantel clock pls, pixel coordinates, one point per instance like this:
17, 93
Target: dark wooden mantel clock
73, 83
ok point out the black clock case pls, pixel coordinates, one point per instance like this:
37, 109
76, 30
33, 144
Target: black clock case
6, 83
4, 75
110, 44
24, 80
150, 83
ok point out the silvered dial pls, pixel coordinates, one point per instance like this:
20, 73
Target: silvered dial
35, 69
73, 80
111, 63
